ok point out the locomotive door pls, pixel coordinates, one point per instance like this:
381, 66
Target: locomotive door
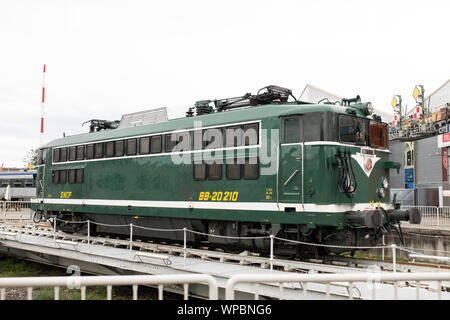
290, 174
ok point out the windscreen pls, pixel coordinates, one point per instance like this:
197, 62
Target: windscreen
353, 130
378, 134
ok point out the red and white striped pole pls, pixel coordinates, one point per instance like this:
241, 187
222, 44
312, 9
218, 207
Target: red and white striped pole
41, 140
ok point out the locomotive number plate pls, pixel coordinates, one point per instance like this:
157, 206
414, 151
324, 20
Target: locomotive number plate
218, 196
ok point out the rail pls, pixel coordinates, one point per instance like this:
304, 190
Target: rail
81, 282
371, 279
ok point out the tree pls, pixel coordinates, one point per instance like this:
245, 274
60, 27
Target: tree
31, 158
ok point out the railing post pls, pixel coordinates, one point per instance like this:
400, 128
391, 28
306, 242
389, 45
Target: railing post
437, 216
131, 236
184, 246
382, 251
54, 231
88, 232
271, 252
394, 259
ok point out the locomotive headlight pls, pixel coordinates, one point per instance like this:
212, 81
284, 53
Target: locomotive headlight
385, 183
382, 192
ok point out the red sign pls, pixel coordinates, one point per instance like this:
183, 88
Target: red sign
446, 137
369, 164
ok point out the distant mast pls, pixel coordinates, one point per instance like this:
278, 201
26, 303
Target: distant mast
41, 139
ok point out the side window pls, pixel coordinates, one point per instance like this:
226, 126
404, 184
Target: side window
233, 136
291, 129
55, 176
234, 171
72, 153
80, 153
199, 171
62, 176
251, 169
63, 155
109, 149
197, 138
215, 171
131, 147
56, 153
72, 176
98, 150
144, 145
90, 151
213, 138
312, 127
183, 142
251, 134
42, 153
79, 176
119, 148
171, 142
156, 144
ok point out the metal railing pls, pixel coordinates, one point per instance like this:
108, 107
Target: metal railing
432, 216
371, 279
15, 210
81, 282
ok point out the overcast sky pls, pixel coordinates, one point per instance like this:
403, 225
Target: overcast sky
107, 58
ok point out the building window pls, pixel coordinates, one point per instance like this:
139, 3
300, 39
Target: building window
119, 148
109, 149
251, 169
156, 144
131, 147
80, 152
90, 151
72, 153
144, 145
199, 171
72, 177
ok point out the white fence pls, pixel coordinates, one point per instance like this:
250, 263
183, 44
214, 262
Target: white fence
349, 280
81, 282
432, 216
15, 210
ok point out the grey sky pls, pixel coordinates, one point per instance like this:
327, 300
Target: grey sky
107, 58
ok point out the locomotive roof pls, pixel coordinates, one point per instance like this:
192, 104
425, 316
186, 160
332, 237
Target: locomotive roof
208, 120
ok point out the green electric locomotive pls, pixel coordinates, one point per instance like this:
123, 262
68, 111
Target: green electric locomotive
241, 168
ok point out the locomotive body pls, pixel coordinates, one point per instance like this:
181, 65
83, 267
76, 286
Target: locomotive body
316, 173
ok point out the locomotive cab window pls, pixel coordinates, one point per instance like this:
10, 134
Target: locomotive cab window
353, 130
378, 134
291, 129
42, 156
